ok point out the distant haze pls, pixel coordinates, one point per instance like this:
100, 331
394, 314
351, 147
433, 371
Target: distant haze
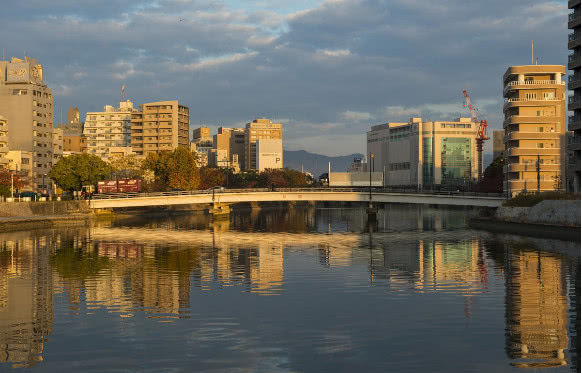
317, 164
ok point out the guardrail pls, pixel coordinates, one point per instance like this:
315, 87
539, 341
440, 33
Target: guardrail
375, 190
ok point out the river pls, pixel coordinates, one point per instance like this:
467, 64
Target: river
288, 290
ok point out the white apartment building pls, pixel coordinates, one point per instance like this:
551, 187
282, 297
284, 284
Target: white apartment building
424, 153
109, 128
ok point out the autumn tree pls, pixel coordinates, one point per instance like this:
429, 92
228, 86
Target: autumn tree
9, 181
211, 177
175, 170
76, 170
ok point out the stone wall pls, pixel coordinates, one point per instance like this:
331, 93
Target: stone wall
566, 213
43, 208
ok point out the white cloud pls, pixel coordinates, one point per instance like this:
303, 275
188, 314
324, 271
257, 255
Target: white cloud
210, 63
334, 53
356, 116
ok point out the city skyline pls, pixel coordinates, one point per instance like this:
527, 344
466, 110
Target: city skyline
326, 73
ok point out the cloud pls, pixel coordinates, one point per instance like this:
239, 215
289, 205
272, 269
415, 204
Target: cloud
356, 116
211, 62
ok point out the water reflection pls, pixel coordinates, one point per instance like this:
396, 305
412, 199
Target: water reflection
153, 268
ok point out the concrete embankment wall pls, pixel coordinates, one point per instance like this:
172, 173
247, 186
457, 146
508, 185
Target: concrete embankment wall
49, 208
564, 213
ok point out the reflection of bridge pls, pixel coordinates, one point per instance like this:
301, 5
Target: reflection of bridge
230, 196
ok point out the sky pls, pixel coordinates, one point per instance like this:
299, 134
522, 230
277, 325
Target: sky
327, 70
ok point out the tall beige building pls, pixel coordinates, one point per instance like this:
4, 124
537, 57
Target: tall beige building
259, 129
73, 127
159, 126
109, 128
58, 144
535, 126
27, 104
424, 154
3, 142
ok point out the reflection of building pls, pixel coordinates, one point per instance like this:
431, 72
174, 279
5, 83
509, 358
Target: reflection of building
27, 104
536, 308
26, 303
534, 127
424, 153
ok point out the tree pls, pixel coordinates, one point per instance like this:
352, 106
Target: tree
74, 171
127, 166
176, 170
492, 180
9, 180
211, 177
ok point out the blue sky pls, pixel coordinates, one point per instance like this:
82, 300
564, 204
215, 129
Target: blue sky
327, 70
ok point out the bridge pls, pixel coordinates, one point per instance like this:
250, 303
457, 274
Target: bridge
225, 197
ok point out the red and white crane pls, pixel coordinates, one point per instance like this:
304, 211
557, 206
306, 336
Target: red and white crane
481, 133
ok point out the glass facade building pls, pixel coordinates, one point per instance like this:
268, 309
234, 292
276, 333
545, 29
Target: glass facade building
455, 160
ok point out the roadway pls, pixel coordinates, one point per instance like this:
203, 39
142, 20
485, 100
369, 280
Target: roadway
232, 196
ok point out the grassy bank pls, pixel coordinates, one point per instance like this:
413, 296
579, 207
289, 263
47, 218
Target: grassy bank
532, 199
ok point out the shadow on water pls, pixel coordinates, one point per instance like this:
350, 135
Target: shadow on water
289, 290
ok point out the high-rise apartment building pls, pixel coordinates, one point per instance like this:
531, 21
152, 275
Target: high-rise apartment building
109, 128
58, 143
260, 129
573, 168
160, 126
535, 128
424, 154
74, 144
27, 104
201, 134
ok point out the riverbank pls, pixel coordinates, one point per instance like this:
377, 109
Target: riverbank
21, 223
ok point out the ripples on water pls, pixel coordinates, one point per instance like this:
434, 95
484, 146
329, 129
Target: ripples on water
288, 290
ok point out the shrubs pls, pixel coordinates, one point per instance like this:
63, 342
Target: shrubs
531, 199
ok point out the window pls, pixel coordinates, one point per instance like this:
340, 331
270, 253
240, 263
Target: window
540, 129
540, 145
530, 96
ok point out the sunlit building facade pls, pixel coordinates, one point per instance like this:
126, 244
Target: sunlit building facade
109, 128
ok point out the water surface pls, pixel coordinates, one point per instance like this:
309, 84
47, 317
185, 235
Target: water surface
300, 290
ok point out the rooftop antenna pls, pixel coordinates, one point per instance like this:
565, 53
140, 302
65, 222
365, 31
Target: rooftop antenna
532, 52
123, 92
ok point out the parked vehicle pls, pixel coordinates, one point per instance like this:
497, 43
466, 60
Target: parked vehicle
119, 186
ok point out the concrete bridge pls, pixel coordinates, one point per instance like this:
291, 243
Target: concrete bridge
222, 198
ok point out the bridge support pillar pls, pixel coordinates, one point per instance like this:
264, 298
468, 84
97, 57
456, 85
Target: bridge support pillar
372, 212
220, 209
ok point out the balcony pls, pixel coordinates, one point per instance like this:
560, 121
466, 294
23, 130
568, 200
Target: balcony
574, 40
531, 184
520, 84
519, 135
574, 102
513, 102
574, 61
574, 19
574, 122
516, 119
574, 81
573, 3
532, 151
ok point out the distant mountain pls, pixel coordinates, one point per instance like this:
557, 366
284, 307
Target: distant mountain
317, 163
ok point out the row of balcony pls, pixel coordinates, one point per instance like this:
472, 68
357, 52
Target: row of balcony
573, 4
532, 151
574, 102
516, 119
521, 135
530, 184
530, 167
509, 102
574, 122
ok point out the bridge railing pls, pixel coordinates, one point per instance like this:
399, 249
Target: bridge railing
292, 190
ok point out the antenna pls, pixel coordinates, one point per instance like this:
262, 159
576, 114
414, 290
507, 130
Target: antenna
122, 92
532, 52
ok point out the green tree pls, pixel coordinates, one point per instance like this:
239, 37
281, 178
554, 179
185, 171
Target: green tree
492, 180
74, 171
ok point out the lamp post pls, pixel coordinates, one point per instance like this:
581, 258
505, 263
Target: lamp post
370, 169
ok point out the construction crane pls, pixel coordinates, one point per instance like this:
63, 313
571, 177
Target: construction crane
481, 133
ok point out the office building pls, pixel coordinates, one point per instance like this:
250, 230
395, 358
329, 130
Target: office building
498, 145
424, 154
201, 134
260, 129
228, 145
26, 103
535, 128
160, 126
573, 168
269, 154
109, 128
